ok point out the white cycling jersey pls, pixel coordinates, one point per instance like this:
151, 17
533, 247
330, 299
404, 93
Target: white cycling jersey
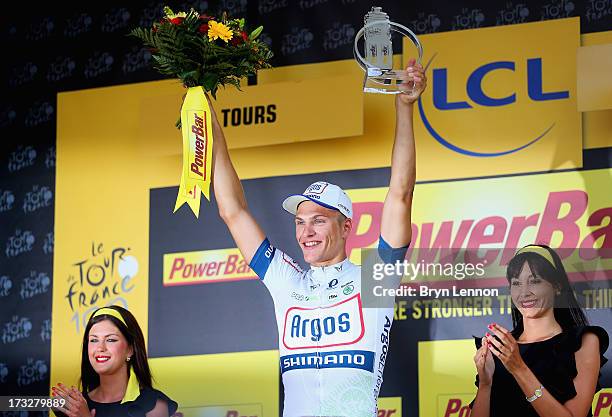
332, 350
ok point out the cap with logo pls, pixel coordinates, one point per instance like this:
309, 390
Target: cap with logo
324, 194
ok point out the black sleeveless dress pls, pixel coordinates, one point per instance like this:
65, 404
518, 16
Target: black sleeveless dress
138, 408
552, 361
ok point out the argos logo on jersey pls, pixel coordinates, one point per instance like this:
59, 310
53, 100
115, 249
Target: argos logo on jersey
493, 92
336, 325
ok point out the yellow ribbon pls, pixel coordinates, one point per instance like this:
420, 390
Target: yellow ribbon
538, 250
197, 150
133, 387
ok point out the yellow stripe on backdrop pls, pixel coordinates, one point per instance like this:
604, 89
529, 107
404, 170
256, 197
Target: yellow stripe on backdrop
597, 125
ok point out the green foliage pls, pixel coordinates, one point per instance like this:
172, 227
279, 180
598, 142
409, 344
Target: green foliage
181, 47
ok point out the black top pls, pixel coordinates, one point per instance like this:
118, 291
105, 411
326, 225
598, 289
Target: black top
552, 361
138, 408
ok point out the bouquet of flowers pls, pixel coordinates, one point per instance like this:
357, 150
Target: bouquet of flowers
205, 51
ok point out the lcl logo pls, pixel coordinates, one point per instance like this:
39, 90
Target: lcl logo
478, 97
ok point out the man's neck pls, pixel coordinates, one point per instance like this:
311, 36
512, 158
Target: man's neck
333, 261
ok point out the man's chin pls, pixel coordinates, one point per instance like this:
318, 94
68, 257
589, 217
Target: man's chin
311, 258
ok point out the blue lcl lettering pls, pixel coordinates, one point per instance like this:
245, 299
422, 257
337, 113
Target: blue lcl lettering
534, 83
474, 85
440, 96
478, 96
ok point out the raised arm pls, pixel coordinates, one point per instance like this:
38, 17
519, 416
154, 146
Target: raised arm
396, 225
230, 198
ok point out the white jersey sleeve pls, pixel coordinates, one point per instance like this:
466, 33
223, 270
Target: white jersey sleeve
275, 268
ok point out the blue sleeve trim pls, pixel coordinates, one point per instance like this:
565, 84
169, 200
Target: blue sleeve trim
263, 258
389, 254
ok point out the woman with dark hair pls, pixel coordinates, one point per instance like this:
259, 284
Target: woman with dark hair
548, 365
115, 375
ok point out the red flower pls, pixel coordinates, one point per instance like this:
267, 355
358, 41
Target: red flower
237, 40
205, 17
177, 20
203, 28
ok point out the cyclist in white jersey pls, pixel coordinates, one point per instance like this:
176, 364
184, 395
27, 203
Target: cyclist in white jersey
332, 350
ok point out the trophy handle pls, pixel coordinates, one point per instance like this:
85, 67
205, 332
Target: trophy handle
396, 27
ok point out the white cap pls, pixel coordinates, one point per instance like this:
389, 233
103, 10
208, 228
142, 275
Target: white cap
323, 193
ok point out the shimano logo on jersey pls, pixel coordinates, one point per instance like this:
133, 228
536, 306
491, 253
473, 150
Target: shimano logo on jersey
335, 325
359, 359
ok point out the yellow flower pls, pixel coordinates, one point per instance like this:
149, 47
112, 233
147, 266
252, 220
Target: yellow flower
218, 30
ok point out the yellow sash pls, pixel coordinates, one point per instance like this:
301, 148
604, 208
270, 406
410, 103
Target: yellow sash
197, 150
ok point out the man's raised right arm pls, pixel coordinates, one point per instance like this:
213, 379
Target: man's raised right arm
230, 197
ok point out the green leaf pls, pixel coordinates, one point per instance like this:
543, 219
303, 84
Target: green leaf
255, 33
209, 81
190, 74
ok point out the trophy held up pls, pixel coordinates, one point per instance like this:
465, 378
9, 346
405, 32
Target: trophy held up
380, 76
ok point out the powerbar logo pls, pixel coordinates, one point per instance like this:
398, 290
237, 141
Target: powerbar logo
198, 141
336, 325
359, 359
192, 268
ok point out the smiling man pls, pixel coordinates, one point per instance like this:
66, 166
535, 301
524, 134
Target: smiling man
332, 350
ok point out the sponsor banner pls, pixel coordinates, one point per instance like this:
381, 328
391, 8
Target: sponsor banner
192, 268
567, 210
271, 114
265, 114
498, 100
389, 407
